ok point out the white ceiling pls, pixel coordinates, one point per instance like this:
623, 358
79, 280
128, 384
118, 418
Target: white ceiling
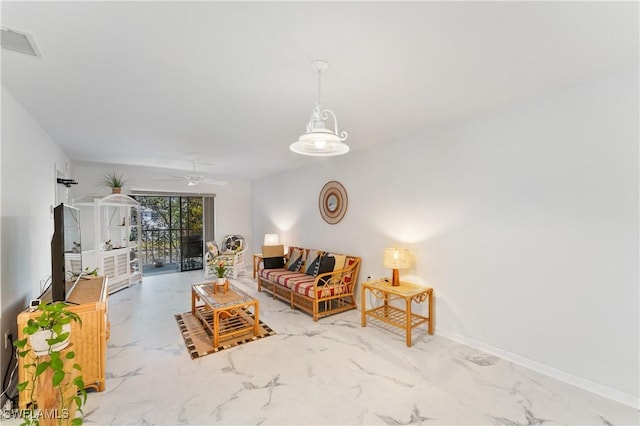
161, 83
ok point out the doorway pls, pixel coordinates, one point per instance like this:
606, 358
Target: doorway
172, 233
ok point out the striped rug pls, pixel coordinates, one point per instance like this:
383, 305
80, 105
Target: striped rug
200, 343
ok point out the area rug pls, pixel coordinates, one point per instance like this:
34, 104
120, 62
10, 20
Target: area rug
199, 342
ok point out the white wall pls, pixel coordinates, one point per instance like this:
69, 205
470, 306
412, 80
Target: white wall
525, 222
29, 158
232, 201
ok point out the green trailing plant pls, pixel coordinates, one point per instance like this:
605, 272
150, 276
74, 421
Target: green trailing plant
86, 272
114, 180
53, 318
93, 272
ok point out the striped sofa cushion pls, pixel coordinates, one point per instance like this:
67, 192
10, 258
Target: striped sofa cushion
296, 281
285, 277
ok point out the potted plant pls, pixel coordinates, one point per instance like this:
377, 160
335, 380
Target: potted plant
220, 269
115, 181
66, 387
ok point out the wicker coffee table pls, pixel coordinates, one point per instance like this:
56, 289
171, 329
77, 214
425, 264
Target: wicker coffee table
224, 314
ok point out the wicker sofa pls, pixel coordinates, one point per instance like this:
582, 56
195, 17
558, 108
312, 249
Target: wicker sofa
316, 282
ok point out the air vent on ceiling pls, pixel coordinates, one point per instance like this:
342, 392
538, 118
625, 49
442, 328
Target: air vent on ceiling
19, 42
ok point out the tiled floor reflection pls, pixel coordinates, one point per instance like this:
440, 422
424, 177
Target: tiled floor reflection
323, 373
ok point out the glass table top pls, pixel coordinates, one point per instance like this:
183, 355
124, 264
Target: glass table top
219, 298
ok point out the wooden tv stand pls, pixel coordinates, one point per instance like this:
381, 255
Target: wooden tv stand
88, 300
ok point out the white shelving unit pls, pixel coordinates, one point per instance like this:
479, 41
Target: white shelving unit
111, 232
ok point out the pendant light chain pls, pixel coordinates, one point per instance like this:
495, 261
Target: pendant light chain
319, 86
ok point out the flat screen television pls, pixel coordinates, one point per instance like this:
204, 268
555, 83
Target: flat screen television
66, 252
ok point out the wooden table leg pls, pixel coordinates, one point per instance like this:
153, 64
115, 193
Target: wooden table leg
408, 325
363, 308
216, 328
256, 321
386, 305
256, 263
254, 267
193, 301
431, 313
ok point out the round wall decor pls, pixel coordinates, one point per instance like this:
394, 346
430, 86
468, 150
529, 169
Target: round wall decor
333, 202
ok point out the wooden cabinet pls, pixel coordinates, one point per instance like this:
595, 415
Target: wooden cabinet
89, 342
111, 232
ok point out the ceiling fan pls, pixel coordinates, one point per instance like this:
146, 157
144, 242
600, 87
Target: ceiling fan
194, 178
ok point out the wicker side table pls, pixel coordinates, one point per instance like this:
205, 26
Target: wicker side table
398, 317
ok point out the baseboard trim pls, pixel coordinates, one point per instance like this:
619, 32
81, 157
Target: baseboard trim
604, 391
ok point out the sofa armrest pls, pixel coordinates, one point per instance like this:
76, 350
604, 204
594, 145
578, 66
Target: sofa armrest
336, 282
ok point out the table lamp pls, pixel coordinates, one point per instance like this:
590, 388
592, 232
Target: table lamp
271, 240
396, 258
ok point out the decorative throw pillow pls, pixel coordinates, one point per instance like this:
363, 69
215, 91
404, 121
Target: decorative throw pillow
340, 259
212, 249
326, 264
348, 263
295, 260
292, 256
312, 263
273, 262
231, 243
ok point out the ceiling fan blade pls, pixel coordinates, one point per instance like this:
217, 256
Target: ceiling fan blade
194, 179
216, 182
208, 182
172, 179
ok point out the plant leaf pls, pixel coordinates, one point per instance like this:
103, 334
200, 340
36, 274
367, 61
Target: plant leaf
56, 364
79, 382
31, 328
58, 377
41, 368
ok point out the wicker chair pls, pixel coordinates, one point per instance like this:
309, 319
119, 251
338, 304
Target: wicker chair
231, 254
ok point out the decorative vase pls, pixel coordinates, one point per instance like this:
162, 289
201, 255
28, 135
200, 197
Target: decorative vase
116, 190
38, 341
221, 281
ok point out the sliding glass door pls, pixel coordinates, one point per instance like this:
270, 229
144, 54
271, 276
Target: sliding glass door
171, 233
191, 253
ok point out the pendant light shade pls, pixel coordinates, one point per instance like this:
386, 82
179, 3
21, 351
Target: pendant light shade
320, 140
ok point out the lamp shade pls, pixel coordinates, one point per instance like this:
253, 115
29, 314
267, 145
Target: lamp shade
397, 258
271, 240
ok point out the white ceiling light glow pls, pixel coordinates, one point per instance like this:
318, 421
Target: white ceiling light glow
319, 140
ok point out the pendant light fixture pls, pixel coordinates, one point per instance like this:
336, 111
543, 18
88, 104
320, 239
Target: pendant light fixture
319, 140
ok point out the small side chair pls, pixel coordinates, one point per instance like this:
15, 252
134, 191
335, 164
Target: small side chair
231, 253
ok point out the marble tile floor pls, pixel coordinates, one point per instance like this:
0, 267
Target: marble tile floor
331, 372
